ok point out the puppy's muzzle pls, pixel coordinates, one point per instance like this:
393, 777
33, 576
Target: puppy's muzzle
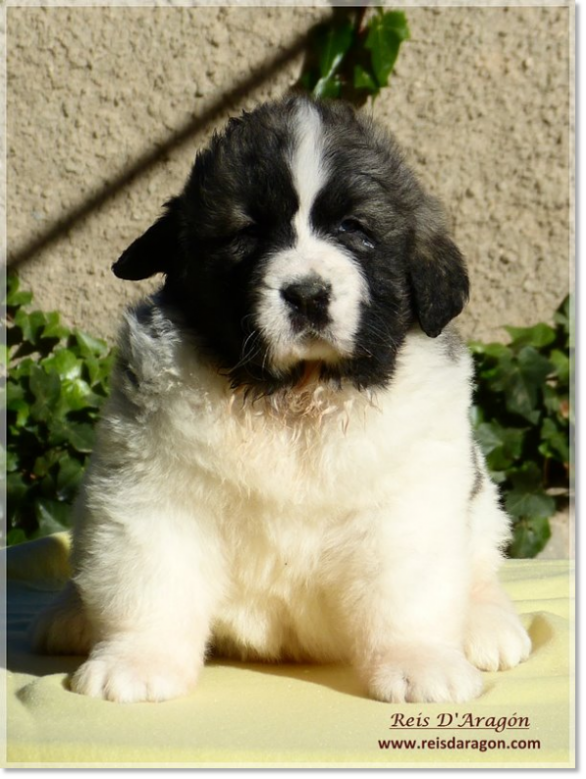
308, 302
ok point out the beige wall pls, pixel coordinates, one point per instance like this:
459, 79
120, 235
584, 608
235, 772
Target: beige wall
479, 101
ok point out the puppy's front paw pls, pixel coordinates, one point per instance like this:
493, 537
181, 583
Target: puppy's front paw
127, 675
423, 674
495, 639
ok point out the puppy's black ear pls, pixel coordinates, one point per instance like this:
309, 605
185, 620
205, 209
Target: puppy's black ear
155, 251
437, 270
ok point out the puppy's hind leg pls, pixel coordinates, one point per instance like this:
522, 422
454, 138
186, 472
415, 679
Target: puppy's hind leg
63, 628
494, 637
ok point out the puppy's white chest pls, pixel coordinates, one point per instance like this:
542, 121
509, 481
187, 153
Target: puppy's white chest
275, 603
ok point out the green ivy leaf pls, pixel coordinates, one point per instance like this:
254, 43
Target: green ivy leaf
46, 388
501, 446
69, 478
79, 435
496, 367
333, 43
20, 408
538, 336
14, 296
555, 441
64, 363
533, 505
21, 370
561, 364
89, 346
387, 31
78, 396
523, 387
365, 80
529, 537
11, 461
495, 350
527, 478
30, 325
552, 401
93, 368
328, 88
14, 392
98, 372
562, 315
53, 328
45, 462
52, 516
15, 536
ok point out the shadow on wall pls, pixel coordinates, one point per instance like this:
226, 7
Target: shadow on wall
152, 157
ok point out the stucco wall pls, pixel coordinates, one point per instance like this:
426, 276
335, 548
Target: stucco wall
104, 111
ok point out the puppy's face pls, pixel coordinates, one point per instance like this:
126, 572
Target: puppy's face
302, 242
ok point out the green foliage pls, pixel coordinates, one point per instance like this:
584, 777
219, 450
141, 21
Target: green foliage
57, 382
354, 56
523, 418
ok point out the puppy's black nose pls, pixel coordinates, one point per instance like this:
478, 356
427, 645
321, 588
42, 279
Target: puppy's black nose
309, 298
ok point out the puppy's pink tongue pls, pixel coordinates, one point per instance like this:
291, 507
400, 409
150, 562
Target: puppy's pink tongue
311, 372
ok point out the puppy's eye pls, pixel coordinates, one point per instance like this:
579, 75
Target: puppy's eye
246, 238
352, 227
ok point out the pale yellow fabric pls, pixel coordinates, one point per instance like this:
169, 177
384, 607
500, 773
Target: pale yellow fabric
284, 715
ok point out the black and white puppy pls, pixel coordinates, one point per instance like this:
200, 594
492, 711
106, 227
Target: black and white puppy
286, 468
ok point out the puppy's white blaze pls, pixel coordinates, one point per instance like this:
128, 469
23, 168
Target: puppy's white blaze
307, 166
311, 255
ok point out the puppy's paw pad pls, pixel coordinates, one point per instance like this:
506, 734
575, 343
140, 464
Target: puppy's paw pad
424, 675
134, 679
495, 639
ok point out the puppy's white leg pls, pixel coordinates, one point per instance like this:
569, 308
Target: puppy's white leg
147, 590
406, 599
412, 651
494, 637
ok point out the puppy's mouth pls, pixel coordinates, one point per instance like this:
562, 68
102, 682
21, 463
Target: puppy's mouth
308, 350
309, 372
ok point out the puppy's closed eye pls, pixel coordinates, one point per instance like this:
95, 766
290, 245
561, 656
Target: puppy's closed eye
355, 229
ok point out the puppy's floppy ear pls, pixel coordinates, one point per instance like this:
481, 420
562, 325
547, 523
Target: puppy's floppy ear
437, 271
155, 251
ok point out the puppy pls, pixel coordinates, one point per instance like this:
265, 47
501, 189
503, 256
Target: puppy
285, 469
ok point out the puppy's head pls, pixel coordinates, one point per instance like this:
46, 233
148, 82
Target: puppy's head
301, 241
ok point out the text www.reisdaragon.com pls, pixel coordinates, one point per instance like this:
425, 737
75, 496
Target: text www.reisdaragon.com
480, 745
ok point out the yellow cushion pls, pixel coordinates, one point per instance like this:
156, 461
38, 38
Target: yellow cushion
291, 715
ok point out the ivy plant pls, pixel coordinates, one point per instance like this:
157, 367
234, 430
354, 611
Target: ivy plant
523, 420
56, 384
353, 56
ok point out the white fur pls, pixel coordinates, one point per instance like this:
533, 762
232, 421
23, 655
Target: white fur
317, 524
